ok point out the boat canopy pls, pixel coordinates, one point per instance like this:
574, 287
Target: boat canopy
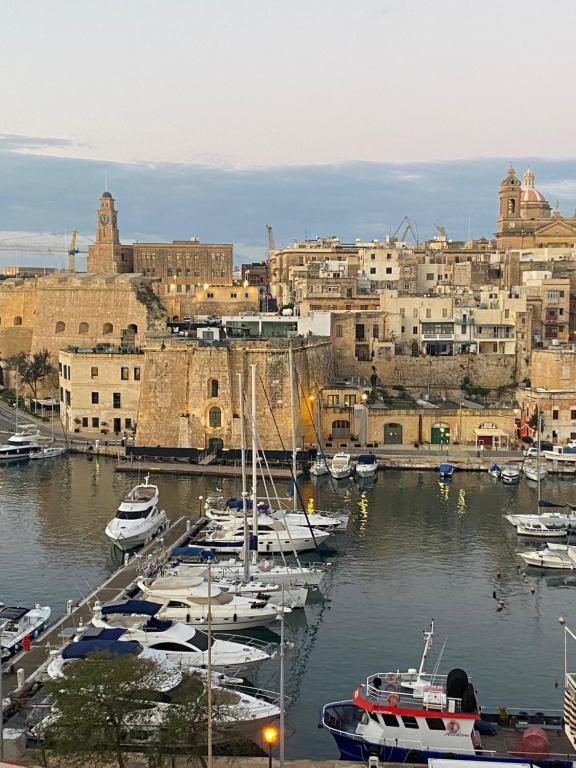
84, 648
130, 607
101, 633
446, 467
201, 553
366, 458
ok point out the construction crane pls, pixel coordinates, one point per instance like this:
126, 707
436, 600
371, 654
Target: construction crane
409, 227
271, 246
71, 251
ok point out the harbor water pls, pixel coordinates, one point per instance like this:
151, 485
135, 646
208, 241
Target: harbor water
416, 549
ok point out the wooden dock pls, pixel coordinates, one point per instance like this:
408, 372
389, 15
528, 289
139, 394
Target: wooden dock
197, 470
116, 587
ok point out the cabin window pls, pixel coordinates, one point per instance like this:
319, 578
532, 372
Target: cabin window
374, 716
176, 604
435, 723
176, 647
390, 720
410, 722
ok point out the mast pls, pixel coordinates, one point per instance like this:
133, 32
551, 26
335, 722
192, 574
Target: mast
427, 645
254, 464
17, 399
538, 455
244, 482
282, 684
293, 411
209, 670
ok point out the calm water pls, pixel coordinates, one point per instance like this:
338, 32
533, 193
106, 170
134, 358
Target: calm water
416, 550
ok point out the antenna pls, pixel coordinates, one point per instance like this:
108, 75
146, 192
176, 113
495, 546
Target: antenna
105, 181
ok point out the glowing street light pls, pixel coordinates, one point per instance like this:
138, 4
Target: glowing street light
270, 736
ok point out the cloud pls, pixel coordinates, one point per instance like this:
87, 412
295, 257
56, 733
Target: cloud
12, 142
562, 188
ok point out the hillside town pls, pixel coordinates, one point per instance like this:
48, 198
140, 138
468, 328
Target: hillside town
394, 341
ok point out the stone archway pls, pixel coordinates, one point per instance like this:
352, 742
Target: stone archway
393, 433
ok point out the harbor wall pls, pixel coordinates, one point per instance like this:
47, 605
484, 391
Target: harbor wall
190, 392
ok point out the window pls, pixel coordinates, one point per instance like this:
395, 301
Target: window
402, 311
136, 374
233, 295
372, 270
95, 422
93, 373
415, 312
60, 368
116, 400
390, 720
95, 398
573, 413
506, 313
128, 423
403, 329
338, 330
409, 721
61, 395
360, 331
435, 724
84, 421
17, 320
124, 375
215, 418
388, 270
350, 400
332, 400
429, 276
555, 413
444, 312
373, 256
83, 328
107, 329
213, 388
414, 330
68, 397
60, 326
209, 295
374, 331
428, 313
132, 328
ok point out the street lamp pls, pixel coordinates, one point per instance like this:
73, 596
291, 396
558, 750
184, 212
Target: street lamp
270, 736
200, 500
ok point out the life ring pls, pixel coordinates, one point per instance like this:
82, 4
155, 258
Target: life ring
393, 699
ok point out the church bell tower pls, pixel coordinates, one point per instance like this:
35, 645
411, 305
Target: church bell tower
510, 197
108, 254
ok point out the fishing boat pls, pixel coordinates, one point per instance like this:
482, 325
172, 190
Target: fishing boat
510, 473
48, 452
138, 519
536, 529
534, 472
273, 536
553, 556
21, 444
410, 717
495, 471
366, 465
18, 623
320, 466
184, 645
341, 466
446, 470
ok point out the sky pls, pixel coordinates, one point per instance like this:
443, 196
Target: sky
213, 118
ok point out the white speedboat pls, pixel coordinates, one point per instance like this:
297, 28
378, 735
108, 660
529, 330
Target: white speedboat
551, 519
553, 557
184, 645
532, 471
264, 570
341, 466
510, 473
138, 518
48, 452
366, 465
536, 529
21, 444
96, 639
272, 536
320, 466
17, 623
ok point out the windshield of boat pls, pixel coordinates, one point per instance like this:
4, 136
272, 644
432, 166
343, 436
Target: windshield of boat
135, 514
199, 640
141, 493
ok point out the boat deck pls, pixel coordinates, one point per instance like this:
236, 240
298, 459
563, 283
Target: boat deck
507, 739
122, 582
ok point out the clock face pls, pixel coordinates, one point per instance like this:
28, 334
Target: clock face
104, 219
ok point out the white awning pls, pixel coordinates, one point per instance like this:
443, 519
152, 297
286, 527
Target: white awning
490, 432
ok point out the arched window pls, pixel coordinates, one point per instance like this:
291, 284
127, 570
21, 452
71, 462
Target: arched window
340, 428
132, 328
215, 418
17, 320
83, 328
60, 326
213, 388
107, 328
175, 318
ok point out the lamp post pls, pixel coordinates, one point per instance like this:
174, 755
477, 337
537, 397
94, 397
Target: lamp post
200, 500
270, 736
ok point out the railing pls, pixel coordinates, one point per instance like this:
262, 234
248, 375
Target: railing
387, 688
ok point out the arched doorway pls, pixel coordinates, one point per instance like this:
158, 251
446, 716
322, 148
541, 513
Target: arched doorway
216, 445
340, 428
392, 434
440, 434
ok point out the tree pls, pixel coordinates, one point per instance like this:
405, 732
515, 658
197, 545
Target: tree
32, 369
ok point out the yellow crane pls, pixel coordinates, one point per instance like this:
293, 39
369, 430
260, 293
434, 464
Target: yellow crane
71, 251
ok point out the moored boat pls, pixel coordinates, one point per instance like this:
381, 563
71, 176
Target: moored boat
495, 471
18, 623
446, 470
510, 473
536, 529
320, 466
341, 466
21, 445
366, 465
48, 452
560, 557
138, 518
533, 472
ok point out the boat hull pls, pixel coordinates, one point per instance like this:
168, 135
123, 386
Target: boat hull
366, 470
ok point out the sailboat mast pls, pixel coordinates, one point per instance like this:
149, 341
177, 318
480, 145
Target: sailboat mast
293, 411
254, 463
538, 454
244, 482
209, 669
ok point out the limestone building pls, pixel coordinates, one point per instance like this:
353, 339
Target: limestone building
526, 220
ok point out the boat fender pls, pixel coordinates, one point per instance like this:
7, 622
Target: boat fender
393, 699
235, 618
187, 618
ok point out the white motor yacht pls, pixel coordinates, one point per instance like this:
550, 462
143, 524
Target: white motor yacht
341, 466
562, 453
138, 518
273, 536
16, 623
320, 466
21, 444
536, 529
366, 465
552, 556
184, 645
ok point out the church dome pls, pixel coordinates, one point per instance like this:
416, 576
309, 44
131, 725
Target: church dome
106, 194
529, 192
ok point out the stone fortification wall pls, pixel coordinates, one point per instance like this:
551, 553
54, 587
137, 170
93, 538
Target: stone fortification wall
489, 371
178, 391
553, 368
78, 310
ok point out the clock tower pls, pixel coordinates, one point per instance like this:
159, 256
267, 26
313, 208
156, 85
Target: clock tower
108, 254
